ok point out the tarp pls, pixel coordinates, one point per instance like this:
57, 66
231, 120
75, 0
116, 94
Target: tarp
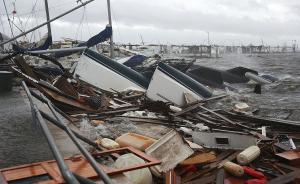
98, 38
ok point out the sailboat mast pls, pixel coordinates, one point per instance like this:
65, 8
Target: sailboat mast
48, 20
110, 23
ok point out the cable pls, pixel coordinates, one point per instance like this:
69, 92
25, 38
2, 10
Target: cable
8, 19
80, 24
41, 10
87, 23
31, 15
2, 25
19, 19
115, 22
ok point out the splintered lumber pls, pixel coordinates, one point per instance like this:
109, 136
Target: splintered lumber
263, 120
188, 109
226, 119
116, 111
199, 159
157, 121
207, 99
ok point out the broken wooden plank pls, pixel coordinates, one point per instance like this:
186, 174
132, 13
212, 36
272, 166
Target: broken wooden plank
226, 119
52, 172
188, 109
200, 158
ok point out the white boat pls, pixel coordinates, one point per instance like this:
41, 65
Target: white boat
107, 74
170, 85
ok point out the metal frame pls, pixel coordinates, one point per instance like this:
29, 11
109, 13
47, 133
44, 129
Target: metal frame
64, 169
67, 175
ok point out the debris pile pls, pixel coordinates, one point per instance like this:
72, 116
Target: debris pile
159, 141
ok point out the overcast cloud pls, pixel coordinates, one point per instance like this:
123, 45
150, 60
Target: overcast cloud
167, 21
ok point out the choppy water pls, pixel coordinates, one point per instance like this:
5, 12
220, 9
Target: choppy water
21, 143
280, 99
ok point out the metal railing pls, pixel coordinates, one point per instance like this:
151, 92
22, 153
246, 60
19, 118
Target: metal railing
66, 173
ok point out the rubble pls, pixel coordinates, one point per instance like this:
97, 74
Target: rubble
184, 139
171, 150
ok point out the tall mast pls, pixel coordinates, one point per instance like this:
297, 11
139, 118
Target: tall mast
48, 18
110, 23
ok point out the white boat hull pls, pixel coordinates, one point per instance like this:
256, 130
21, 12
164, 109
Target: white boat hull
102, 76
164, 88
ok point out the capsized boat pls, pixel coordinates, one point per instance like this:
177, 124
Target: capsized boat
107, 74
219, 78
169, 85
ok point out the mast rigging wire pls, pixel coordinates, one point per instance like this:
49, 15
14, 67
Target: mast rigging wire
11, 29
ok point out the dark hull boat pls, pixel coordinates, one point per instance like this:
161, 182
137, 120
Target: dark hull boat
220, 78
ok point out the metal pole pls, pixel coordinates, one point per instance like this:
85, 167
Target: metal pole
87, 155
51, 20
59, 122
73, 49
208, 41
48, 18
110, 23
67, 175
79, 136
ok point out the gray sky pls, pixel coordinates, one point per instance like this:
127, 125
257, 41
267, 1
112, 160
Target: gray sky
167, 21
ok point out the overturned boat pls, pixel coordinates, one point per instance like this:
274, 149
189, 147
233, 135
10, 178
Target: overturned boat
221, 78
107, 74
167, 83
170, 85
